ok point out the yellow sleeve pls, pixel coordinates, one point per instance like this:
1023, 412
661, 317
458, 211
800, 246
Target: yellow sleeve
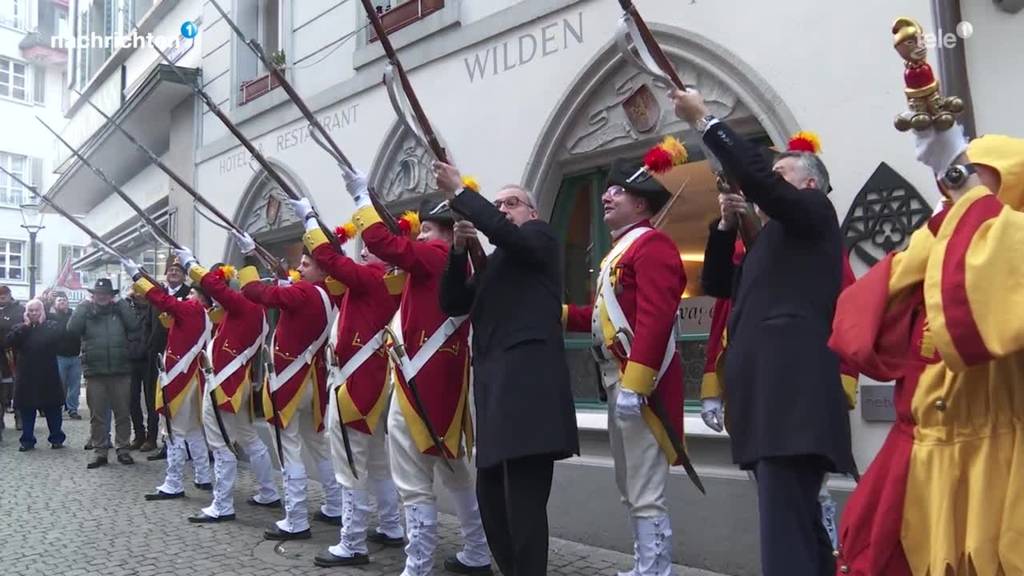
314, 238
247, 275
565, 315
334, 287
711, 386
142, 286
973, 282
850, 385
196, 273
365, 217
639, 378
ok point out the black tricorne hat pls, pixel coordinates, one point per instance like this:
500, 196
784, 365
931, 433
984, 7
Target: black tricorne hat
638, 182
433, 210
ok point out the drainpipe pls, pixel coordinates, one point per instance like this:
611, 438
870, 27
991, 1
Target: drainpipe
953, 61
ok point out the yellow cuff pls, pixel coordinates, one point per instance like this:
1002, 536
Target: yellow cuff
247, 275
314, 238
395, 283
166, 320
565, 315
365, 217
710, 386
334, 287
639, 378
216, 314
142, 286
196, 273
850, 389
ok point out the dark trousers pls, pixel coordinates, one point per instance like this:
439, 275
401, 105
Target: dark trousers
513, 499
143, 385
53, 422
793, 540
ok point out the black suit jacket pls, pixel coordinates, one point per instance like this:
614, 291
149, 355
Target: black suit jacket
524, 404
785, 396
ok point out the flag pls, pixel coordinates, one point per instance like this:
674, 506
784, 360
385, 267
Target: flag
68, 278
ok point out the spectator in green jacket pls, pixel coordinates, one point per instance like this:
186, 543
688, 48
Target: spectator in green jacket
104, 326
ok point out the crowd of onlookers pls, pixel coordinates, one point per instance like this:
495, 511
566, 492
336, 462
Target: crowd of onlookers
47, 348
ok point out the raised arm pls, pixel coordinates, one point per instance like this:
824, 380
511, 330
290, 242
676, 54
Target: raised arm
214, 284
417, 258
159, 298
76, 324
356, 277
719, 267
533, 242
289, 297
457, 291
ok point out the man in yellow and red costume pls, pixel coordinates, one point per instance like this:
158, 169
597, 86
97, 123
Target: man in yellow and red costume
359, 392
943, 318
180, 385
234, 356
633, 326
295, 395
434, 367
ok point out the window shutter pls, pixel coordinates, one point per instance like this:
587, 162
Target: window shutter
39, 84
37, 174
39, 261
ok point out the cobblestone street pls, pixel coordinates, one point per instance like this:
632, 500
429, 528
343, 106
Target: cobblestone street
59, 518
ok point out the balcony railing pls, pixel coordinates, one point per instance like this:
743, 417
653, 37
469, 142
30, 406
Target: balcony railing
405, 14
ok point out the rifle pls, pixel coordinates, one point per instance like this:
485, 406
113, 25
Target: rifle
268, 359
246, 143
88, 231
319, 134
425, 134
268, 259
647, 55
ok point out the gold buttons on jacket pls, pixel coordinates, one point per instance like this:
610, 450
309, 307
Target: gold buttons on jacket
940, 405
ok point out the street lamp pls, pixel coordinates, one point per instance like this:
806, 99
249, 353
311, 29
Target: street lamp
32, 220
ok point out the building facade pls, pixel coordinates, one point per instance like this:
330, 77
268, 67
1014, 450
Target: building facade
536, 92
31, 84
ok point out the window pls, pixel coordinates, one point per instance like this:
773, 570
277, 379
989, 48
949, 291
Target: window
260, 19
13, 13
12, 79
39, 84
397, 14
11, 192
12, 265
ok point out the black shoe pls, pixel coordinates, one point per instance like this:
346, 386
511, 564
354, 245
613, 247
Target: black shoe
204, 519
56, 446
161, 495
332, 520
24, 448
74, 415
276, 533
384, 540
454, 565
208, 486
137, 443
252, 501
325, 559
97, 462
160, 455
125, 458
88, 445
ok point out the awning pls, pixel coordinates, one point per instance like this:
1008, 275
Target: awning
146, 115
127, 238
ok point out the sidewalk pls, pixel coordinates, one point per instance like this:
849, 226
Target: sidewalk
59, 518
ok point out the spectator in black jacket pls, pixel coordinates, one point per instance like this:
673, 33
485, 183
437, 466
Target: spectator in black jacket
38, 387
142, 377
69, 350
11, 314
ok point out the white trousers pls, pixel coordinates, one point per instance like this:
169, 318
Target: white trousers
186, 437
241, 431
641, 468
369, 452
298, 437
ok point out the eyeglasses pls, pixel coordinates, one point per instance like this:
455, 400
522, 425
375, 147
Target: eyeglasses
614, 191
511, 203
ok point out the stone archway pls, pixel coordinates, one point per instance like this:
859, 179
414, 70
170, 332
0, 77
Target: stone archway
591, 124
401, 172
264, 215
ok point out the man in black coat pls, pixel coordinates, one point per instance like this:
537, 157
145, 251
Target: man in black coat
12, 313
524, 406
787, 413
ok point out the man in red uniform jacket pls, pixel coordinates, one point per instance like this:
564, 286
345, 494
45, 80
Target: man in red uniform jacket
359, 393
633, 326
180, 384
437, 362
295, 396
233, 356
